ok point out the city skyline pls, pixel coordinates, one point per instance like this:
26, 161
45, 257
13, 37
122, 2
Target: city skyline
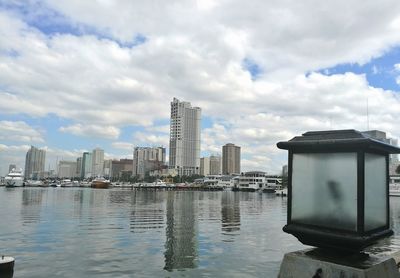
77, 77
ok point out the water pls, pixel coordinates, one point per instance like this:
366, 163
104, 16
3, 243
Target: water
60, 232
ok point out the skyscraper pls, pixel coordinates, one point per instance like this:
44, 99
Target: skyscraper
86, 171
78, 167
97, 162
215, 165
184, 143
230, 159
146, 159
204, 166
34, 163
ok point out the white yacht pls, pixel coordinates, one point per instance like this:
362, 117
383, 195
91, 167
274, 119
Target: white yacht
33, 183
159, 183
66, 183
14, 178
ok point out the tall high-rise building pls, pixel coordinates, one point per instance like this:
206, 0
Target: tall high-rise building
230, 159
204, 166
78, 167
210, 165
107, 168
184, 142
34, 163
86, 171
215, 165
147, 159
97, 162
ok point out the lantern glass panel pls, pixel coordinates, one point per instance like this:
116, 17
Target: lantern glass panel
375, 191
324, 190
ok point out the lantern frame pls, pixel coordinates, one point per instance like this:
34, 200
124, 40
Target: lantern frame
329, 142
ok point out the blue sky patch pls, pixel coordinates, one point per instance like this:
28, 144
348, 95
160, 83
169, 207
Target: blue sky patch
252, 67
51, 22
380, 72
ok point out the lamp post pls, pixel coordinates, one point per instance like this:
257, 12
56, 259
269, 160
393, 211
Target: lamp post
338, 189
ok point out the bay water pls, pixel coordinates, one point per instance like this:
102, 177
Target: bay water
84, 232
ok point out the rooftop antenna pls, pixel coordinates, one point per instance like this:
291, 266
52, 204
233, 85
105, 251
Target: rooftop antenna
367, 115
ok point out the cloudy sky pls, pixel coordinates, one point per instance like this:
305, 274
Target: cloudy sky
75, 75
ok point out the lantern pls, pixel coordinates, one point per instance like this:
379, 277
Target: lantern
338, 189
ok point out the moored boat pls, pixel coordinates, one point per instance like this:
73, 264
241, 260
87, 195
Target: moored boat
85, 184
33, 183
66, 183
100, 183
14, 178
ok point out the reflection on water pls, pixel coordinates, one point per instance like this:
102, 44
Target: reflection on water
31, 205
230, 212
181, 231
125, 233
147, 211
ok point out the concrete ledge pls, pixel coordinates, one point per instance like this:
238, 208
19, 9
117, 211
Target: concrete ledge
317, 263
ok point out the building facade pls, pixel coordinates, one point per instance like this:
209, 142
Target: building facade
230, 159
215, 165
67, 169
204, 166
121, 168
78, 167
34, 163
210, 165
184, 143
107, 168
146, 159
97, 162
86, 171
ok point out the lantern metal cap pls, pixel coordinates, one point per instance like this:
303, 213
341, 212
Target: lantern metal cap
336, 139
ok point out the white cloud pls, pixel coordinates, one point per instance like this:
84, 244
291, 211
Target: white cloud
104, 86
19, 131
123, 146
12, 154
159, 129
148, 139
109, 132
325, 102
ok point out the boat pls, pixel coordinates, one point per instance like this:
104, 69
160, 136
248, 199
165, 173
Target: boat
159, 183
14, 178
100, 183
66, 183
33, 183
54, 183
272, 185
85, 184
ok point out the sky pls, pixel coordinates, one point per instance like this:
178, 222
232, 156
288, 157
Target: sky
76, 75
